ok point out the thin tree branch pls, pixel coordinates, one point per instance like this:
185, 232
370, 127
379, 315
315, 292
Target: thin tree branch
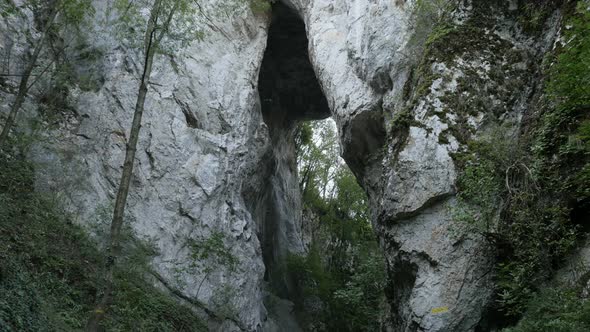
211, 24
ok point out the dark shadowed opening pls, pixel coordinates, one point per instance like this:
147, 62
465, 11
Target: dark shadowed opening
289, 89
289, 93
304, 252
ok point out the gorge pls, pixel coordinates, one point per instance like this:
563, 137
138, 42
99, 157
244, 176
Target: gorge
464, 122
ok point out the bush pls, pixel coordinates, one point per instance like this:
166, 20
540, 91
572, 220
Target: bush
49, 268
524, 192
500, 197
556, 310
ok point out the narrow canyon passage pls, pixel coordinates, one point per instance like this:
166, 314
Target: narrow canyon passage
298, 165
289, 93
312, 216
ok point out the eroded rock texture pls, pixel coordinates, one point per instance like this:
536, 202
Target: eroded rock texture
289, 93
203, 137
407, 97
214, 158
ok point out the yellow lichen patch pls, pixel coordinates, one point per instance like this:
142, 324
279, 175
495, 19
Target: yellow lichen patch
439, 310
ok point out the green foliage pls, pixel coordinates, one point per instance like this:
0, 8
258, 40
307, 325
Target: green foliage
432, 13
75, 12
523, 201
351, 200
185, 27
312, 276
317, 158
20, 307
561, 144
56, 29
481, 185
139, 306
48, 268
212, 251
569, 83
7, 9
190, 23
533, 15
260, 6
351, 294
303, 135
344, 269
403, 119
439, 32
556, 310
70, 13
206, 256
502, 198
359, 302
222, 303
429, 19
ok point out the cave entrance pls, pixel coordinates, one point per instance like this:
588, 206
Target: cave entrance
289, 94
311, 211
289, 90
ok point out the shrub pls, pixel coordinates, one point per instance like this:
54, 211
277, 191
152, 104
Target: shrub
523, 192
556, 310
49, 268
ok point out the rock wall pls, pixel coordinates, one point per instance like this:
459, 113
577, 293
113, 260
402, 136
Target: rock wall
289, 93
409, 84
203, 137
214, 158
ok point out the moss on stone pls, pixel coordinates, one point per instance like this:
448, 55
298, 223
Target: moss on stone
539, 194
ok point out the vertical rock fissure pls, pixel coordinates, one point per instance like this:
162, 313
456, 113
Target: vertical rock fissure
289, 93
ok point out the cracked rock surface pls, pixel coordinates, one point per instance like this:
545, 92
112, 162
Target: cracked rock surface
369, 62
202, 136
209, 162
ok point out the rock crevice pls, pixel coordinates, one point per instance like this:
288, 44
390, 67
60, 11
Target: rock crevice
217, 154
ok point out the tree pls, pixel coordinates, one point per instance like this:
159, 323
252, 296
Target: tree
317, 156
171, 26
59, 14
344, 267
157, 27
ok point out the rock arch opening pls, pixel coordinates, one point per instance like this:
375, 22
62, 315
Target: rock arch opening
289, 93
289, 89
291, 98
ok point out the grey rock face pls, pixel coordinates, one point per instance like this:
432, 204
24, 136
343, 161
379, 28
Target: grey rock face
210, 161
289, 93
356, 49
202, 138
365, 54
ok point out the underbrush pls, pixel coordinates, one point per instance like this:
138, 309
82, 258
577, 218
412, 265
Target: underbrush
528, 191
556, 310
50, 268
340, 282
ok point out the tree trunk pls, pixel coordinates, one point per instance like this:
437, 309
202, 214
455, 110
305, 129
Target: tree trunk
24, 87
113, 251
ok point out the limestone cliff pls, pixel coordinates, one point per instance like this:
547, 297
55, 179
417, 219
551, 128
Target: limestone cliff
202, 139
407, 85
